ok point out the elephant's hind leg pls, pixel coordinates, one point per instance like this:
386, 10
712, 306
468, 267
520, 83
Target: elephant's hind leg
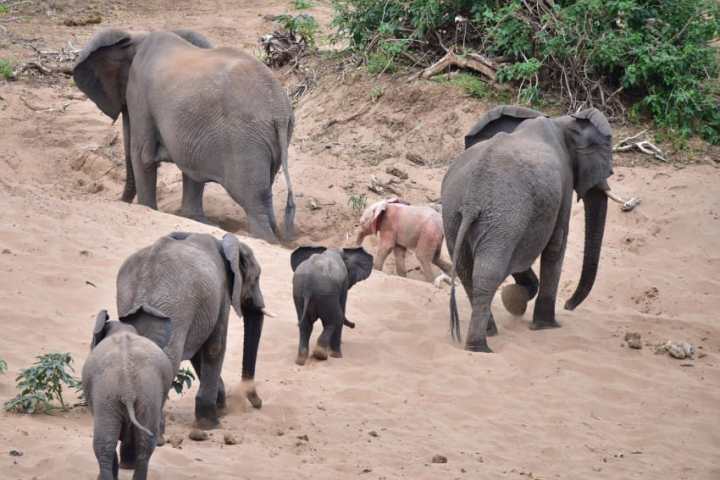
332, 317
128, 453
399, 253
192, 199
488, 274
106, 434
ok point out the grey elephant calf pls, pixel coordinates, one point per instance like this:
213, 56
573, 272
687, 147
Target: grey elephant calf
320, 286
126, 379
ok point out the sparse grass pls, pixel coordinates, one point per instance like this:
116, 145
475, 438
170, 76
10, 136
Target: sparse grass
42, 383
6, 69
471, 84
380, 62
357, 203
302, 4
376, 92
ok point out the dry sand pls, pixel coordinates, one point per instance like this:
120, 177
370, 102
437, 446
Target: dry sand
568, 403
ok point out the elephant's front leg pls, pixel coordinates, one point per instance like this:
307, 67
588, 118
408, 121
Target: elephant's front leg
399, 253
206, 407
550, 268
192, 200
305, 326
384, 249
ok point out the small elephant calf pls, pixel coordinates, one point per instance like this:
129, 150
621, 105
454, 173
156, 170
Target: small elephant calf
126, 380
402, 227
320, 286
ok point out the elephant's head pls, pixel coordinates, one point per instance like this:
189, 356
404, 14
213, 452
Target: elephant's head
103, 66
504, 118
372, 217
248, 302
357, 261
104, 328
588, 138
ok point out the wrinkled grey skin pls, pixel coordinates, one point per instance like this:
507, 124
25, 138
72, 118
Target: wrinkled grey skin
320, 285
178, 292
126, 379
217, 113
506, 200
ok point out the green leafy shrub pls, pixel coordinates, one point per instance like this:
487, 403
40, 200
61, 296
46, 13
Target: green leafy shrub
304, 25
473, 85
302, 4
357, 203
3, 366
42, 383
654, 55
183, 379
6, 69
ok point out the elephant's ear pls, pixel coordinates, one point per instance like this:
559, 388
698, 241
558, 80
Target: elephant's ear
591, 138
102, 69
359, 264
245, 282
301, 254
504, 118
193, 37
99, 330
149, 322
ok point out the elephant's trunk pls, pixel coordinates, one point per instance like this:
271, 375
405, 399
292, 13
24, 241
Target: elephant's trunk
253, 320
595, 202
129, 192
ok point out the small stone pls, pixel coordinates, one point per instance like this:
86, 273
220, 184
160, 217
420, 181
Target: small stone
176, 440
279, 433
415, 158
313, 204
373, 433
84, 253
634, 340
198, 435
16, 453
230, 439
396, 172
439, 459
6, 251
304, 438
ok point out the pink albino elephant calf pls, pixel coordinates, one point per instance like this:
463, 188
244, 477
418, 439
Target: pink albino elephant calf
403, 227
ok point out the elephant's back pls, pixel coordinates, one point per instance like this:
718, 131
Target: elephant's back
174, 276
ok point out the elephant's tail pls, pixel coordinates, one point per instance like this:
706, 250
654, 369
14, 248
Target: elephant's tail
465, 223
284, 133
131, 414
306, 302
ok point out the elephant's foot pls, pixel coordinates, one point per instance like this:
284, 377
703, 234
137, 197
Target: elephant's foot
480, 345
336, 354
206, 417
544, 324
221, 402
515, 298
254, 398
301, 358
320, 353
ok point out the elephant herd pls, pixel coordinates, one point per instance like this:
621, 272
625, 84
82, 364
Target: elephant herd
220, 116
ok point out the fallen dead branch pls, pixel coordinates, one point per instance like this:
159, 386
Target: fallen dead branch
471, 61
644, 146
340, 121
44, 109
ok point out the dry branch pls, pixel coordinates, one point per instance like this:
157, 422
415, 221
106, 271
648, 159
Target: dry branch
644, 146
472, 61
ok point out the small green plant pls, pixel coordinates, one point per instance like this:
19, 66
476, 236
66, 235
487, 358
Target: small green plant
3, 9
3, 366
6, 69
357, 202
380, 62
183, 379
303, 25
471, 84
376, 92
42, 383
302, 4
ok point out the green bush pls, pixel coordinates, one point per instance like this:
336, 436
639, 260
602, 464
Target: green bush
183, 379
42, 383
3, 366
303, 25
6, 69
654, 55
302, 4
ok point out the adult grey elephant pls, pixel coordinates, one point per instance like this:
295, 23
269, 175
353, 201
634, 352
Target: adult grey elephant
320, 286
125, 379
507, 199
217, 113
178, 291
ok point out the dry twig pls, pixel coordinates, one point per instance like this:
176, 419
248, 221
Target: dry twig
632, 142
